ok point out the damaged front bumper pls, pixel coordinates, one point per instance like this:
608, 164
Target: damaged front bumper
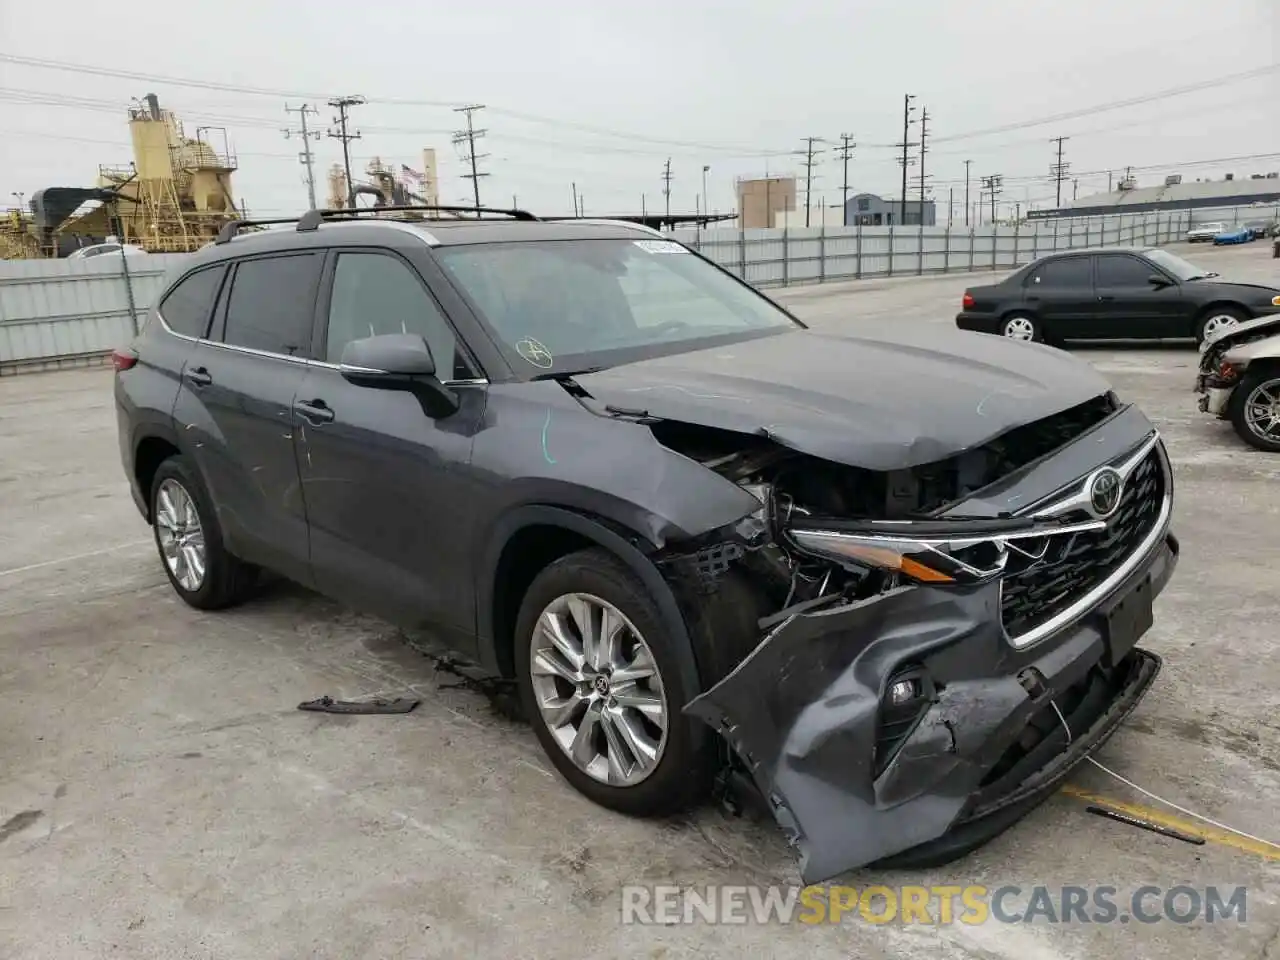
856, 779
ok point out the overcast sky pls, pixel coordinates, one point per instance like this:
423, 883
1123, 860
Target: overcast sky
601, 92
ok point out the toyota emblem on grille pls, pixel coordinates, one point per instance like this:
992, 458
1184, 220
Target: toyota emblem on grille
1104, 492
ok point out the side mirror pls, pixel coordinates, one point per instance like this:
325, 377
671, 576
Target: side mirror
1157, 281
398, 361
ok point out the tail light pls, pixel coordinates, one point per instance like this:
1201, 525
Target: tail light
968, 302
122, 358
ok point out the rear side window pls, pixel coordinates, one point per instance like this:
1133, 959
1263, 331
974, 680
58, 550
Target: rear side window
187, 307
1070, 272
272, 304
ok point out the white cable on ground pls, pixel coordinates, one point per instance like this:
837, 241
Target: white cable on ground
1158, 799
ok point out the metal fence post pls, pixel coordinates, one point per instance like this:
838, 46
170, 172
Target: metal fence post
995, 242
946, 253
128, 290
742, 251
891, 249
822, 252
971, 246
1017, 230
857, 261
786, 259
920, 245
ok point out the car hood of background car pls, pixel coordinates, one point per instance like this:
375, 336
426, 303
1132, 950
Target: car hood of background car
884, 401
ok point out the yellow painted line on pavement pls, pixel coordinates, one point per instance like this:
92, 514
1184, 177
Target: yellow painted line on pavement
1226, 838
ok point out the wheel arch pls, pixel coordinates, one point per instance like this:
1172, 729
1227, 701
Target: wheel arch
152, 445
1203, 312
531, 536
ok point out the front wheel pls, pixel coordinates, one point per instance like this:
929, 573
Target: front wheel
1022, 326
1215, 321
601, 684
1255, 410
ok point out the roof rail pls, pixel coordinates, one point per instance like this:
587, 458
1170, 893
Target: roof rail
231, 228
312, 219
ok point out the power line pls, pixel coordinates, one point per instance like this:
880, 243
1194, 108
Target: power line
1058, 171
470, 136
343, 105
305, 157
845, 151
808, 162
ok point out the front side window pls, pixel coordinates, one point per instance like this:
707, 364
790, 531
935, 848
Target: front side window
375, 294
1117, 271
572, 304
272, 304
187, 307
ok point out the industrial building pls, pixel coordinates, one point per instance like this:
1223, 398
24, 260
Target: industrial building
1173, 194
762, 199
869, 210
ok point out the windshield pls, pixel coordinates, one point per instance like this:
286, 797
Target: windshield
1180, 268
564, 305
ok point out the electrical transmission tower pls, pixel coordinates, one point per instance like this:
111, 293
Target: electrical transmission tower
845, 149
469, 136
305, 157
809, 154
343, 105
906, 145
1058, 171
924, 135
993, 189
666, 184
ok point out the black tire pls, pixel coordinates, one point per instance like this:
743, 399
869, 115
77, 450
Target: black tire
227, 579
1236, 408
683, 773
1235, 312
1037, 328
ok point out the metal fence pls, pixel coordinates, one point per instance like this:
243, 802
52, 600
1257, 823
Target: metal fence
56, 312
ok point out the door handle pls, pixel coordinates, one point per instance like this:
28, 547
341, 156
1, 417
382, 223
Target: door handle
1033, 299
1106, 299
199, 377
315, 411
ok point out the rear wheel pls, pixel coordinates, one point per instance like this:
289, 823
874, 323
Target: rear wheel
190, 543
1216, 320
1255, 410
1021, 326
601, 684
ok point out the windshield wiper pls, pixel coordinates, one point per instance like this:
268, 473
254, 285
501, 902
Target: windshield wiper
566, 374
1203, 276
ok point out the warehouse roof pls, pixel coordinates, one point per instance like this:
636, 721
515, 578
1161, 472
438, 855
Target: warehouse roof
1228, 192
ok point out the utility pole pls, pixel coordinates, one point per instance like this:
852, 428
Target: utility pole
951, 204
966, 191
906, 145
1075, 189
810, 153
992, 185
666, 184
924, 134
305, 157
469, 136
343, 105
846, 151
1108, 181
706, 201
1058, 171
574, 188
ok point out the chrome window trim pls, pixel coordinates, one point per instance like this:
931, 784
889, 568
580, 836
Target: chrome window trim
427, 237
305, 361
1071, 500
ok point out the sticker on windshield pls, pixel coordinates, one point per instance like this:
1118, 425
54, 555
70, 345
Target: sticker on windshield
533, 351
659, 246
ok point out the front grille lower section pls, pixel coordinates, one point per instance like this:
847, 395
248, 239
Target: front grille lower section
1034, 597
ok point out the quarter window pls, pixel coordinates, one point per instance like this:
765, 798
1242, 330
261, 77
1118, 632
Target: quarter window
187, 307
375, 294
272, 303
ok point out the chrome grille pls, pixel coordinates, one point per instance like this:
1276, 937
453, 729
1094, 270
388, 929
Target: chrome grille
1030, 599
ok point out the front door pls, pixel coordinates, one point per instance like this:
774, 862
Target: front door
236, 408
388, 489
1129, 304
1060, 293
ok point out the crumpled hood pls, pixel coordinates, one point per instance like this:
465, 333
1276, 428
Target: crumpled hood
883, 401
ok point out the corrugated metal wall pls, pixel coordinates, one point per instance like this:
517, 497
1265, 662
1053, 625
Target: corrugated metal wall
56, 309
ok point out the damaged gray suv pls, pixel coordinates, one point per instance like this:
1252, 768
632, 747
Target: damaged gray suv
891, 581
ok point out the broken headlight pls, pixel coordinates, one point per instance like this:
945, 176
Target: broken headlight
929, 552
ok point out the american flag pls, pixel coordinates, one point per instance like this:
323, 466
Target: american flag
410, 174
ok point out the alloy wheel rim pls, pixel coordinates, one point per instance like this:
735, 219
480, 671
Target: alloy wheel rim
1262, 410
1218, 322
598, 689
1020, 328
181, 535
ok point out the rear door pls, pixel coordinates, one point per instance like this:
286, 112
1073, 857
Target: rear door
1130, 305
236, 407
1060, 292
390, 499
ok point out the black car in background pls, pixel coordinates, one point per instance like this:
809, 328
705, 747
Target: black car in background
1112, 293
605, 468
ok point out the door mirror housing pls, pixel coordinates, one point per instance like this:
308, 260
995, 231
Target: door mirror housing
1158, 280
398, 361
